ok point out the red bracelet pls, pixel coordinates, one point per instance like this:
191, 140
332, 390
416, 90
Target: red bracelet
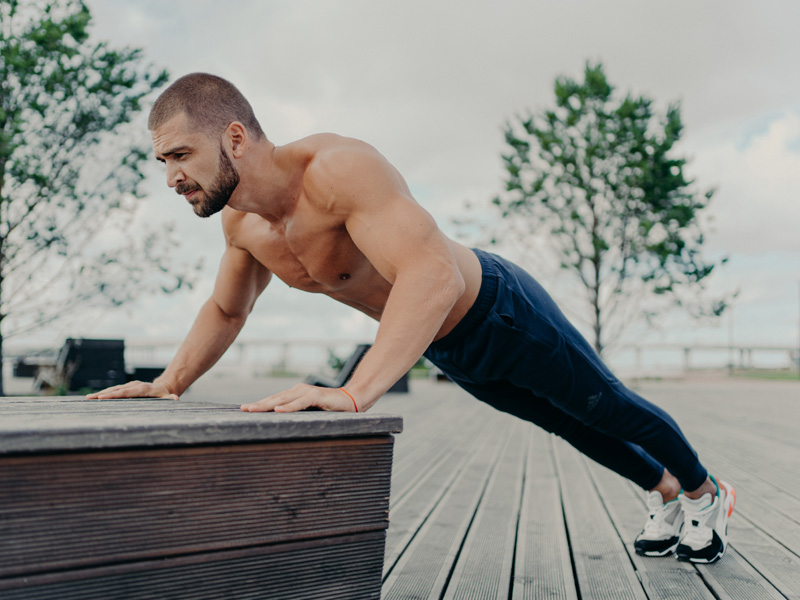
351, 398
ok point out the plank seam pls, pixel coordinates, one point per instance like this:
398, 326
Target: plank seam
513, 573
466, 531
595, 486
559, 475
765, 576
430, 510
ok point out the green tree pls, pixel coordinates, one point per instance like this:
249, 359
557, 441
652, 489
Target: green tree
599, 176
70, 169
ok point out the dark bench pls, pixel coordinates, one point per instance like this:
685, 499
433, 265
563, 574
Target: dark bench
161, 499
347, 370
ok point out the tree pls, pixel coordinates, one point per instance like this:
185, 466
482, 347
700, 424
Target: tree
70, 169
599, 175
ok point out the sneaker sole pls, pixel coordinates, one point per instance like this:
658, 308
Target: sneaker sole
665, 552
700, 561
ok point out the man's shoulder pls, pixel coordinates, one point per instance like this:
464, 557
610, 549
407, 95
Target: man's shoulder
232, 222
321, 147
332, 166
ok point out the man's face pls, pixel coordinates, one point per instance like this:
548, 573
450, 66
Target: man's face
198, 168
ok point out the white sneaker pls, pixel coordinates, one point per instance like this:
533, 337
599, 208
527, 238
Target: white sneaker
705, 536
662, 531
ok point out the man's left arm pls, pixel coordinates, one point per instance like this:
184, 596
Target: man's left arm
403, 243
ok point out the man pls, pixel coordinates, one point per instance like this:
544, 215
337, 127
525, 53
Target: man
330, 215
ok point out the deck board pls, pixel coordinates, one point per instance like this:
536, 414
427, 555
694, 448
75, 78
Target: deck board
424, 568
602, 564
484, 568
543, 566
495, 508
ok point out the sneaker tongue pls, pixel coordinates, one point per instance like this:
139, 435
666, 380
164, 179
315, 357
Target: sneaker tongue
654, 500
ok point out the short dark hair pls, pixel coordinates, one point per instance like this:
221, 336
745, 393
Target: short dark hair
211, 103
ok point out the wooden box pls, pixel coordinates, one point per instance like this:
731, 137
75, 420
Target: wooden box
158, 499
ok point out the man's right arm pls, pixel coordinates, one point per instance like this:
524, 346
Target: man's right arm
240, 281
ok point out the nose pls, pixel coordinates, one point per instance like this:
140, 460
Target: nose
174, 175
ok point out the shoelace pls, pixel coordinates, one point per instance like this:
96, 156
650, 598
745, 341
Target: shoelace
698, 532
655, 524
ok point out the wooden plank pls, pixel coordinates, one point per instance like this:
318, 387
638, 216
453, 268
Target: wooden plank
778, 565
409, 513
485, 563
602, 565
72, 423
428, 442
732, 578
437, 447
423, 570
74, 510
341, 568
543, 563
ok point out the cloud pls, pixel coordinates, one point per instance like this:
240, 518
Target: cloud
757, 207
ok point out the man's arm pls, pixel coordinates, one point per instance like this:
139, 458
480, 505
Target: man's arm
240, 281
403, 243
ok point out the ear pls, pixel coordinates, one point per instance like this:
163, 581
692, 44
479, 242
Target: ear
237, 135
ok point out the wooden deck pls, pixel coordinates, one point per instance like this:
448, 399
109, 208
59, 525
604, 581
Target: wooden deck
484, 506
487, 507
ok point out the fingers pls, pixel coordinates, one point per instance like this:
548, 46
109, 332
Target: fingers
133, 389
301, 397
110, 390
286, 401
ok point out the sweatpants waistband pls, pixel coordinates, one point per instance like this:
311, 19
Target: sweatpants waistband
480, 308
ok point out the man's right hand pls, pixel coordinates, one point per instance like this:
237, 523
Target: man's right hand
134, 389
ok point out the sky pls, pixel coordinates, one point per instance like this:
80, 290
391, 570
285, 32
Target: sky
431, 84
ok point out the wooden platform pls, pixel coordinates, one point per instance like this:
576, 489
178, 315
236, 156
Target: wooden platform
486, 507
134, 499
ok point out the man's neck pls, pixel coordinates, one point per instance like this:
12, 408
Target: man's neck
269, 185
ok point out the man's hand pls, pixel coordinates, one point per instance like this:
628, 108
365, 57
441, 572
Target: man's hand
134, 389
303, 396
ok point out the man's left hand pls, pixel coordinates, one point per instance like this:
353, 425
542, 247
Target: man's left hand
301, 397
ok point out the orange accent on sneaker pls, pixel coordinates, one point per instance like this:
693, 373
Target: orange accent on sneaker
732, 492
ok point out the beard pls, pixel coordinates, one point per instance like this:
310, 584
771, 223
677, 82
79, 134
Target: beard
217, 196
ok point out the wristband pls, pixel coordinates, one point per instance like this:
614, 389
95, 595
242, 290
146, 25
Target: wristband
351, 398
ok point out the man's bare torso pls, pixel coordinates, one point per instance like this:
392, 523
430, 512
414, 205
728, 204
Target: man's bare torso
310, 248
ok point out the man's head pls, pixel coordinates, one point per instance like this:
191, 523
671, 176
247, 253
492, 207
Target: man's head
210, 103
192, 123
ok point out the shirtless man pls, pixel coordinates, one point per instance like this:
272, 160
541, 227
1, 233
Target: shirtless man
330, 215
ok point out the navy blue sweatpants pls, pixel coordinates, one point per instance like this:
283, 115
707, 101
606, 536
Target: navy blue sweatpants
516, 351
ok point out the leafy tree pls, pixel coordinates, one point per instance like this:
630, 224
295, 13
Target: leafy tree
70, 169
599, 176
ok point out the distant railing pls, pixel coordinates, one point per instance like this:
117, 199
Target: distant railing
675, 357
256, 357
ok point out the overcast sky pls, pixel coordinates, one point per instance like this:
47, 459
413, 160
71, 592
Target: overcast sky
431, 83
